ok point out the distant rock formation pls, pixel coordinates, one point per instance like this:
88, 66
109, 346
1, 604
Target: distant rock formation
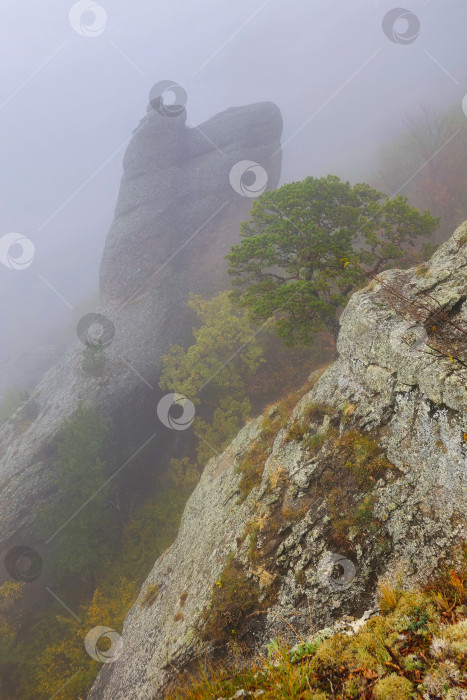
175, 181
176, 217
311, 539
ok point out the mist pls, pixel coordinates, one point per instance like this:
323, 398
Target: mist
69, 104
233, 360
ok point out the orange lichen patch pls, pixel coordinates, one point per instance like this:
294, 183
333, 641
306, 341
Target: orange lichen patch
150, 595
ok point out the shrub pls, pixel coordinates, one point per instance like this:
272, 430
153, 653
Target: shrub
77, 548
314, 442
251, 468
251, 531
355, 463
363, 456
422, 270
234, 596
316, 411
296, 432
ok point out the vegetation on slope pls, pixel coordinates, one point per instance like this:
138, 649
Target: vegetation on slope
288, 265
97, 567
99, 563
416, 647
406, 165
231, 370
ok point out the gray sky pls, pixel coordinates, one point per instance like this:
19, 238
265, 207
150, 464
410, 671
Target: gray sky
68, 104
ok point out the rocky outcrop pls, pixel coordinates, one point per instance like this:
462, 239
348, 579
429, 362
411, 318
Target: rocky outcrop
177, 203
365, 477
177, 216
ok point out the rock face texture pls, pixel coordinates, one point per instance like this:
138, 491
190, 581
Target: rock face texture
365, 476
176, 199
176, 217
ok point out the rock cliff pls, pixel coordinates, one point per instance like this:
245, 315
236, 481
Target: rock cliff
176, 217
363, 476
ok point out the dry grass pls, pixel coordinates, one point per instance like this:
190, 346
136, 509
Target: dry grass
296, 432
389, 595
316, 411
251, 466
353, 467
276, 417
416, 648
234, 596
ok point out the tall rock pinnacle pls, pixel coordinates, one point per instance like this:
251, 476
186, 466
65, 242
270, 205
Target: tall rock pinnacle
178, 213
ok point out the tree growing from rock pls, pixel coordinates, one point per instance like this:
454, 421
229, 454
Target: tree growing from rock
289, 268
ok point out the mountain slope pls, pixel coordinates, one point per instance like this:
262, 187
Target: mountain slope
176, 218
363, 476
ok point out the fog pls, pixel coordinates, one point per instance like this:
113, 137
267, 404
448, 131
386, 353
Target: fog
68, 105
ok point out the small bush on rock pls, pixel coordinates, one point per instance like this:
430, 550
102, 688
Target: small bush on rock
234, 596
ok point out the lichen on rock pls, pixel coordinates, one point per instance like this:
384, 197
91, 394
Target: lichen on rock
365, 479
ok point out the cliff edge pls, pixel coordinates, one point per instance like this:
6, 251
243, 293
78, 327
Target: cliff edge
362, 476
